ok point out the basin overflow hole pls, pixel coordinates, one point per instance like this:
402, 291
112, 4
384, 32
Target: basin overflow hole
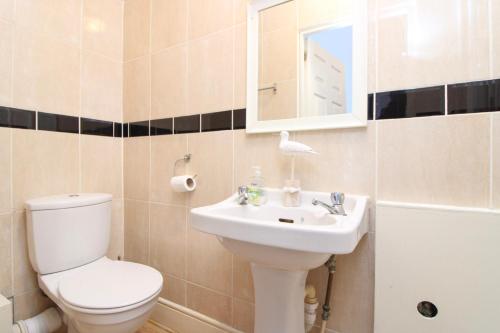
427, 309
285, 220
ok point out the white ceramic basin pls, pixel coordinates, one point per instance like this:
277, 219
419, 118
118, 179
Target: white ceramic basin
281, 253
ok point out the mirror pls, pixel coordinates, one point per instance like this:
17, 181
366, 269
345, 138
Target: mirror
306, 65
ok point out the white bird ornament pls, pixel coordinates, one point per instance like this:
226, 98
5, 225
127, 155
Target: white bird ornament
292, 147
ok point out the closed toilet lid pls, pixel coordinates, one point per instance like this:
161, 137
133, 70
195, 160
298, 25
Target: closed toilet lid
113, 284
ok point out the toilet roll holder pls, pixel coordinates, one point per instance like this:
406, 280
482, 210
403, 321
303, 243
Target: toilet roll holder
186, 159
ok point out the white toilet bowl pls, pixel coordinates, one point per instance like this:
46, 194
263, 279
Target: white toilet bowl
104, 296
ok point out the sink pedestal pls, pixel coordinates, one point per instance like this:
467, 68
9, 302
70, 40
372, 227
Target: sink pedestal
279, 299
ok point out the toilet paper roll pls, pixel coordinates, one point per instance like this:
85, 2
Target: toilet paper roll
183, 183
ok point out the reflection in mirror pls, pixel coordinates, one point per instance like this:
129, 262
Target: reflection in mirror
327, 72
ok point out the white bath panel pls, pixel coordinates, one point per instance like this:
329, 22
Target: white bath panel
445, 258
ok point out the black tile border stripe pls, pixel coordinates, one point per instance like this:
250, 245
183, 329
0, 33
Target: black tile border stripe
17, 118
96, 127
58, 123
466, 97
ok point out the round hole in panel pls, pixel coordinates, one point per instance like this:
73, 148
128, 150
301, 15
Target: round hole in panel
427, 309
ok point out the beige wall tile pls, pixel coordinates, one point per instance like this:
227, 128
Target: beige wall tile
5, 170
136, 231
25, 278
240, 66
210, 78
46, 74
169, 82
353, 284
212, 161
103, 27
168, 239
101, 165
315, 12
6, 255
207, 16
6, 41
259, 150
346, 161
169, 23
136, 89
102, 93
59, 19
174, 290
495, 31
116, 243
208, 263
44, 163
243, 316
278, 61
136, 28
212, 304
282, 105
136, 168
435, 160
496, 160
242, 279
430, 42
30, 304
165, 150
7, 9
279, 17
240, 11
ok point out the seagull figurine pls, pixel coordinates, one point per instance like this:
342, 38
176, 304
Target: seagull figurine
293, 147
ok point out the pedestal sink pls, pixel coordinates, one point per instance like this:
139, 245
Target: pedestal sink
281, 253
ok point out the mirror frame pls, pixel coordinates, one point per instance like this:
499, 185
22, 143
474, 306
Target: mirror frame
359, 115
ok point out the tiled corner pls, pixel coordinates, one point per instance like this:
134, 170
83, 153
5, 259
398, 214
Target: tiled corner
174, 289
6, 255
136, 231
101, 165
136, 168
30, 304
210, 303
243, 316
168, 23
169, 82
103, 27
436, 160
496, 160
136, 28
101, 87
136, 89
168, 238
44, 163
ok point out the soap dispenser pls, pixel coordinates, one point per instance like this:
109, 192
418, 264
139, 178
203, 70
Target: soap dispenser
256, 193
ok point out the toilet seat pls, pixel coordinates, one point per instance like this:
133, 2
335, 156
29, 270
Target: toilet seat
117, 284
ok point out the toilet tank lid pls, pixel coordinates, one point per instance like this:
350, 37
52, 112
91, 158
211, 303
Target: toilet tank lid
67, 201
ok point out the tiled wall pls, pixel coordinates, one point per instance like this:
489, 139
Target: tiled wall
194, 62
59, 57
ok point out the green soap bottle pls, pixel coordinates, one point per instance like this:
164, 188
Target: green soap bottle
256, 193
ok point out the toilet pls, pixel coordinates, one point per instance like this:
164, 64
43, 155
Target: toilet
68, 237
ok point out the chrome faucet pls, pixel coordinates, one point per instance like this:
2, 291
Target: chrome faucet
337, 206
242, 195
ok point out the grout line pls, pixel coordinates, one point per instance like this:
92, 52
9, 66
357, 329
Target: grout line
491, 174
446, 99
490, 38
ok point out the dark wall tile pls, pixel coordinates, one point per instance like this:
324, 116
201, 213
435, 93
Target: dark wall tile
472, 97
118, 130
421, 102
239, 119
370, 106
216, 121
162, 126
139, 128
96, 127
125, 130
57, 123
187, 124
17, 118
